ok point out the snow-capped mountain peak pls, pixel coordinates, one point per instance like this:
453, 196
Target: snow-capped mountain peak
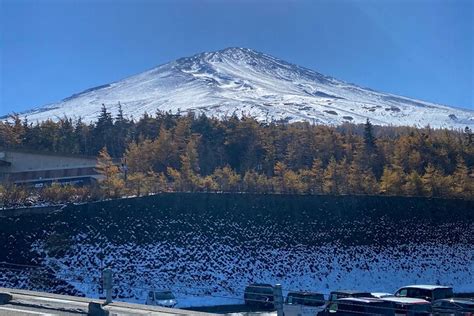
243, 81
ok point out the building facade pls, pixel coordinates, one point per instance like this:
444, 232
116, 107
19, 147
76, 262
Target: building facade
39, 169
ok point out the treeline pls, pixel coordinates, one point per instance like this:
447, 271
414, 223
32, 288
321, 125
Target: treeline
168, 152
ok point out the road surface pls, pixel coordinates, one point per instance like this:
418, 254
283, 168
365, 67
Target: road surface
44, 304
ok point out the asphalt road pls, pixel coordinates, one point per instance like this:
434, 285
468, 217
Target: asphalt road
234, 310
14, 310
35, 303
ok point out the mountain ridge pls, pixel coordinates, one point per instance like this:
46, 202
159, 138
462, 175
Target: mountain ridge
244, 81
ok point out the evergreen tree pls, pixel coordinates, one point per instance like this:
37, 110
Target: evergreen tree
369, 138
121, 131
103, 132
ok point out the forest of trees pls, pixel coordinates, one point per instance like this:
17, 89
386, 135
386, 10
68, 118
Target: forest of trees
168, 152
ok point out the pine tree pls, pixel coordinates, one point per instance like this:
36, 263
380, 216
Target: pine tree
330, 179
369, 182
112, 184
226, 179
355, 179
317, 174
434, 182
103, 132
176, 179
121, 127
278, 181
292, 183
165, 151
369, 138
392, 180
190, 167
463, 184
156, 182
413, 185
137, 184
249, 182
140, 157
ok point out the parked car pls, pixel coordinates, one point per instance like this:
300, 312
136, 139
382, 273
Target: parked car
259, 294
303, 304
161, 298
408, 306
358, 306
426, 292
453, 307
334, 295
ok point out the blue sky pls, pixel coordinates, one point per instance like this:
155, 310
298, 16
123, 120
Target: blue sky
51, 49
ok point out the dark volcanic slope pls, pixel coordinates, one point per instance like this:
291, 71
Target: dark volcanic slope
214, 244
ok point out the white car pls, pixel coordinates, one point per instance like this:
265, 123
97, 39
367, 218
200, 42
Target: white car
161, 298
303, 304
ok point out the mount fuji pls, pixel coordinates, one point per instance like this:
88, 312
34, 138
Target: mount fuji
242, 81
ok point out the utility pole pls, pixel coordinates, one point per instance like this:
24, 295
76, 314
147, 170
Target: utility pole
107, 278
278, 299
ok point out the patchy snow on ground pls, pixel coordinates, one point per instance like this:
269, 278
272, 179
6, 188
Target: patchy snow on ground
208, 248
219, 274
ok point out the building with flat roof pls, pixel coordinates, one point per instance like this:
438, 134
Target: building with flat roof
38, 169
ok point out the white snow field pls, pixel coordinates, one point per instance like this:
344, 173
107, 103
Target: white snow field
243, 81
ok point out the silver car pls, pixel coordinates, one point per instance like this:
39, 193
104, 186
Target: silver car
161, 298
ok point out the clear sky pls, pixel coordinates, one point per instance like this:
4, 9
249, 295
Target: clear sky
51, 49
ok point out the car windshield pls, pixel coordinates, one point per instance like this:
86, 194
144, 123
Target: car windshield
419, 293
443, 293
313, 300
164, 296
294, 298
259, 289
305, 299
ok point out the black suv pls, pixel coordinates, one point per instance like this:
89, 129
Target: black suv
426, 292
259, 294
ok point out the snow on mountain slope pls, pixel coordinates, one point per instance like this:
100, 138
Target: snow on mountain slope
243, 81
